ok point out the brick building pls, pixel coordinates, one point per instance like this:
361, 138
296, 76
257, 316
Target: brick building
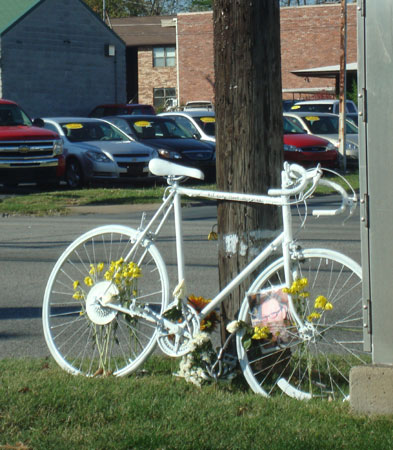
310, 38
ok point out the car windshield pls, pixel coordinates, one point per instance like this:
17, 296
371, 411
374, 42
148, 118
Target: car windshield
291, 128
11, 115
91, 131
327, 125
208, 124
158, 129
320, 107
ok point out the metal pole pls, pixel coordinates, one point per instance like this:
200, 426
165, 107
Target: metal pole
103, 10
177, 65
343, 82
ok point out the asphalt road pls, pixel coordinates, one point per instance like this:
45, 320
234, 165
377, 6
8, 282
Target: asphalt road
30, 247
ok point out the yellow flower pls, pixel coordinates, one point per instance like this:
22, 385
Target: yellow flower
328, 306
313, 316
100, 267
108, 275
78, 295
298, 286
260, 333
320, 302
88, 281
119, 262
92, 270
75, 284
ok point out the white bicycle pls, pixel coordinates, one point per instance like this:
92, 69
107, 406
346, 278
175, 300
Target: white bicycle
108, 300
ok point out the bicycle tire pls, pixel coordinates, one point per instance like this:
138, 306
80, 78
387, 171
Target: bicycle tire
311, 364
86, 338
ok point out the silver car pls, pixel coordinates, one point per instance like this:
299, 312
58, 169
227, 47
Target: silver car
326, 125
200, 123
96, 150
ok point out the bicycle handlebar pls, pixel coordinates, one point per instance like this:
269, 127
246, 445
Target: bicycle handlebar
345, 202
301, 176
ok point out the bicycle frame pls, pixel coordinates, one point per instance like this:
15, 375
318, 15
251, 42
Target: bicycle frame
173, 202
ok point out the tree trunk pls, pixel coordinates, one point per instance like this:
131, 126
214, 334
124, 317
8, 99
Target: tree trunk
248, 103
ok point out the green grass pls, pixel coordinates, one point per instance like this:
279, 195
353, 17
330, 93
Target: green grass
43, 407
58, 202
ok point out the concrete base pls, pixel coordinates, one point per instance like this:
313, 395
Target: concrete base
371, 389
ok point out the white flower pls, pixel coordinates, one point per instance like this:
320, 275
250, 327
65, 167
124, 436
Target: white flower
200, 338
233, 326
205, 357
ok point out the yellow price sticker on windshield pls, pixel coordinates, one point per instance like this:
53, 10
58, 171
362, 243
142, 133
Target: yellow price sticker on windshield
73, 126
207, 119
142, 123
312, 118
295, 107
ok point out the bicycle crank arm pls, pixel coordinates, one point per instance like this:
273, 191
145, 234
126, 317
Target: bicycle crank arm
149, 315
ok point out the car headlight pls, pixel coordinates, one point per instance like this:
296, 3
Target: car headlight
331, 146
98, 156
58, 147
169, 154
351, 146
291, 148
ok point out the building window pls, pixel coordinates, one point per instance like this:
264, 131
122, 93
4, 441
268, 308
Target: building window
164, 57
163, 97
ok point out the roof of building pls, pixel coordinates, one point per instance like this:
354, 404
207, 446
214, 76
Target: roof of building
12, 11
325, 71
148, 30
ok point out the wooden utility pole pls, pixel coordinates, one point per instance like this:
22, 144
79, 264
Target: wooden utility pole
248, 103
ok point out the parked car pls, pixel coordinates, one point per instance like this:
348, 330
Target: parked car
199, 105
172, 142
298, 147
27, 152
124, 108
287, 104
201, 124
305, 149
326, 125
328, 106
95, 150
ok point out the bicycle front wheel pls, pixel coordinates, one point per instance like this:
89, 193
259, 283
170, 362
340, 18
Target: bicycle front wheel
85, 337
312, 360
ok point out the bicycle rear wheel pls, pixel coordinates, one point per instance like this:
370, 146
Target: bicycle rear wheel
85, 337
313, 360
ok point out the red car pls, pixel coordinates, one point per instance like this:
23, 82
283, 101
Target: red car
306, 149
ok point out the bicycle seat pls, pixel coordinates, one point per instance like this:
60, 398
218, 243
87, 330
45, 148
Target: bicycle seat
163, 168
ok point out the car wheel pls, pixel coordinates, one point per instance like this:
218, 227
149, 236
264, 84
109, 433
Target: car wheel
74, 174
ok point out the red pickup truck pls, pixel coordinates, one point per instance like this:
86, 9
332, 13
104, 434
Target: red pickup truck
28, 153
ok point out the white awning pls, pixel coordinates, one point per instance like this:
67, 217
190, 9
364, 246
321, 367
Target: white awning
325, 71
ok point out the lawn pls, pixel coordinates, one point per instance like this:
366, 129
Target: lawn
42, 407
57, 202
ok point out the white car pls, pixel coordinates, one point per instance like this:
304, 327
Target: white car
328, 106
96, 150
324, 105
326, 125
200, 123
